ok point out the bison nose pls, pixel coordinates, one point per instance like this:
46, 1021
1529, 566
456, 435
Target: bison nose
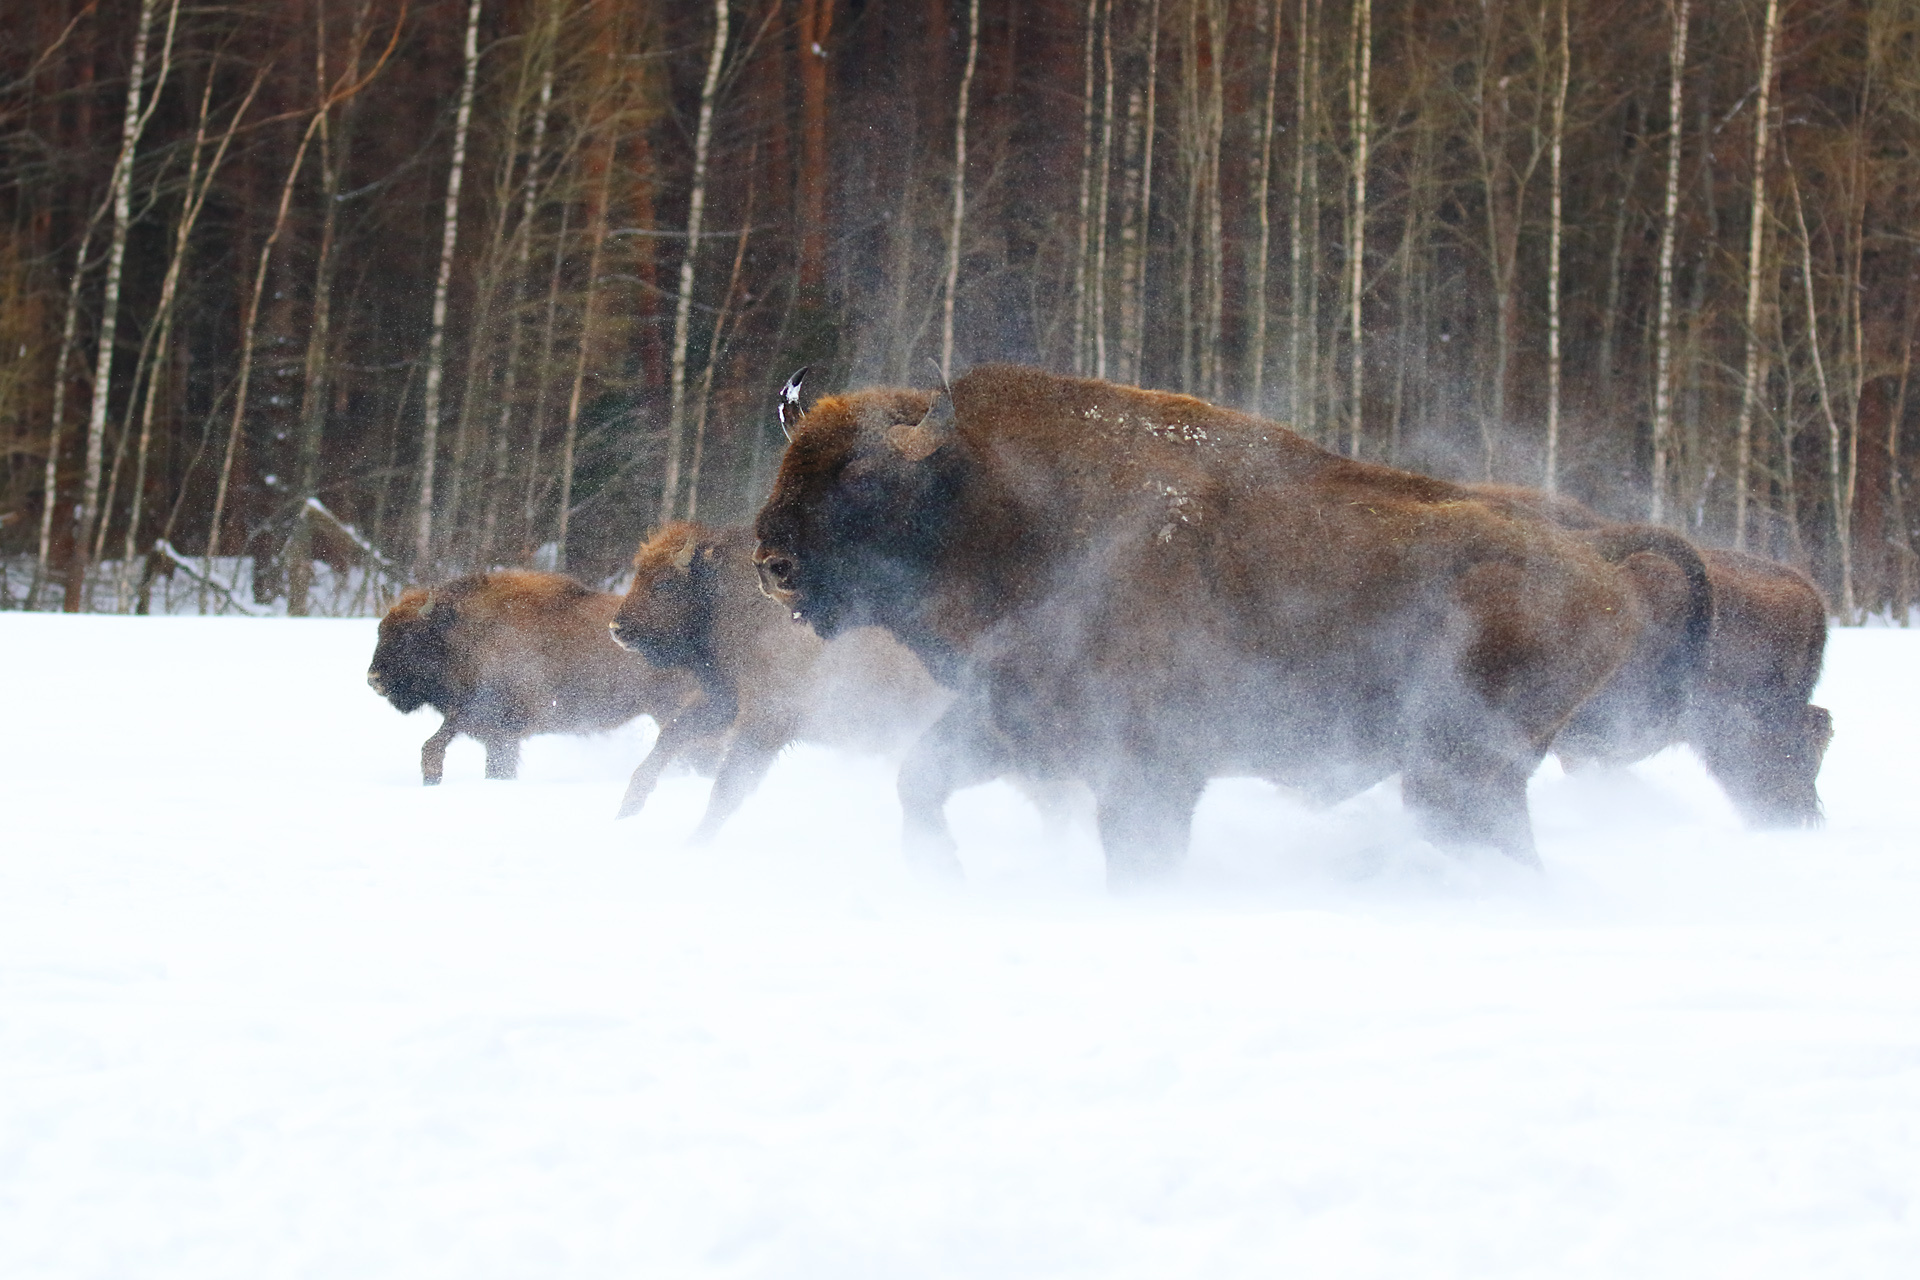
776, 576
375, 683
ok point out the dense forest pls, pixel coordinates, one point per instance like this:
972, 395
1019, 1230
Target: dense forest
420, 286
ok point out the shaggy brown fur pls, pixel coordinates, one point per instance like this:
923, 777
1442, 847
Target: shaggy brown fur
1747, 711
509, 654
765, 679
1142, 591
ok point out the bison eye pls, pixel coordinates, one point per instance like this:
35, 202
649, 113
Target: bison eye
780, 569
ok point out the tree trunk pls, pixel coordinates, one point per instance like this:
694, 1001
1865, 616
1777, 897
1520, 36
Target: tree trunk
1842, 510
314, 384
959, 192
1256, 376
1669, 227
1085, 222
1136, 336
1357, 252
437, 336
1303, 286
1105, 165
522, 259
42, 566
683, 308
133, 123
193, 201
1554, 234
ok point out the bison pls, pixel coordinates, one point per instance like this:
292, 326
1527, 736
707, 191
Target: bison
1141, 591
765, 680
1746, 709
509, 654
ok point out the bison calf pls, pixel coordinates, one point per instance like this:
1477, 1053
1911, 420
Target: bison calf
765, 679
509, 654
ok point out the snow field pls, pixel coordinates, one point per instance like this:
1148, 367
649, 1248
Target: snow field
270, 1008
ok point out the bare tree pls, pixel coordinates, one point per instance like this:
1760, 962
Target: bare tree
1085, 222
683, 307
1842, 509
1756, 238
1303, 349
959, 192
1105, 166
1556, 220
1359, 98
437, 335
1670, 211
133, 124
1263, 187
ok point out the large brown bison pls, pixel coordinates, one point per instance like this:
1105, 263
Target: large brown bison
765, 680
1142, 591
509, 654
1746, 708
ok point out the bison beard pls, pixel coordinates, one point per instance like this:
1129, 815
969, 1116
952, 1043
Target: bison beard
1142, 591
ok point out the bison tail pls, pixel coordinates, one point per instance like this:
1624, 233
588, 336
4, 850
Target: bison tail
1687, 663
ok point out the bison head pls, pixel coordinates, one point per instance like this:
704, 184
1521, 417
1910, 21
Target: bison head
411, 661
861, 509
667, 616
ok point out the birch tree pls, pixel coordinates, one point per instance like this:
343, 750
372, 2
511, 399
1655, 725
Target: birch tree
1263, 212
1756, 239
443, 279
683, 306
1360, 88
133, 124
1669, 219
1564, 59
1302, 341
959, 192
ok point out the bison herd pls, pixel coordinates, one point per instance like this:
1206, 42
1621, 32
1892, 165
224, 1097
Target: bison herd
1074, 583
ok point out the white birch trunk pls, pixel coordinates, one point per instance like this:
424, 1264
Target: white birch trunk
1556, 225
1263, 191
194, 201
1137, 334
683, 307
1085, 225
42, 566
523, 250
133, 123
437, 336
1842, 513
1105, 166
1756, 240
1663, 335
959, 192
1357, 252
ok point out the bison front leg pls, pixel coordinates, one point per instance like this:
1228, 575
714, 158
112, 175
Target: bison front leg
740, 776
1145, 817
693, 726
958, 752
433, 753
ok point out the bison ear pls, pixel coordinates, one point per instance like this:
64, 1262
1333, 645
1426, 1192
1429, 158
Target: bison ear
790, 412
922, 439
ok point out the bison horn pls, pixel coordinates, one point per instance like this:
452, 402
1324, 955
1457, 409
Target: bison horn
925, 437
790, 412
684, 556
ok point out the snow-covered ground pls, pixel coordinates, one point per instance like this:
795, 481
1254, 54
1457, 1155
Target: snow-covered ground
268, 1008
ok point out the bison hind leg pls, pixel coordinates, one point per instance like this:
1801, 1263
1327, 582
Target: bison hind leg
503, 758
1472, 797
1145, 819
1768, 764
